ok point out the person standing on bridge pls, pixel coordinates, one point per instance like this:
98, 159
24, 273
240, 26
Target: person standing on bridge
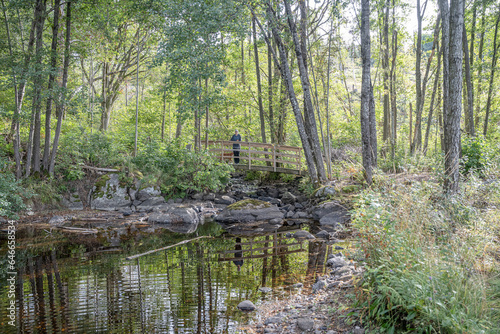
236, 147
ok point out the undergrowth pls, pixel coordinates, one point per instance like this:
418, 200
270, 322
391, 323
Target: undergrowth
432, 261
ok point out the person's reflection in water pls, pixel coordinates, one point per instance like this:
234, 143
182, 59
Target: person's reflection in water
238, 261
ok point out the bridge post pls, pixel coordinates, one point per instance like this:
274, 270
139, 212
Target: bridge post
274, 157
249, 156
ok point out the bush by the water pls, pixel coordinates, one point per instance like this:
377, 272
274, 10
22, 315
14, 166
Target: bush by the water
11, 201
175, 169
431, 261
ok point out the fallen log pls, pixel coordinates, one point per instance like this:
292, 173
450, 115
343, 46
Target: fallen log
77, 230
167, 247
109, 170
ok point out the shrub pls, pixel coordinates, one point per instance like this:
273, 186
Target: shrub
475, 155
11, 200
427, 268
181, 171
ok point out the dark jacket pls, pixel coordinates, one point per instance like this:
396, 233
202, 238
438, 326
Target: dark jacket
236, 138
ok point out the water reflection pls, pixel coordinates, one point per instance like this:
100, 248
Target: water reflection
193, 288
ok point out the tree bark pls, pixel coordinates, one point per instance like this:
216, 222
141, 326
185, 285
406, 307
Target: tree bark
37, 84
259, 85
137, 94
452, 118
480, 67
492, 76
309, 118
420, 97
15, 121
287, 79
394, 111
366, 92
61, 102
431, 108
53, 70
445, 42
385, 68
469, 116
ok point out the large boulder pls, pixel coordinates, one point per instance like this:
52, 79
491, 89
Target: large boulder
288, 198
74, 202
176, 219
108, 194
250, 210
325, 208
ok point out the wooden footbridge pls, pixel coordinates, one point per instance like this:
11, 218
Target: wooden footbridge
259, 156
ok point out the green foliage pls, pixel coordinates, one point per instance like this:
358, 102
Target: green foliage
180, 171
475, 155
78, 147
11, 193
426, 266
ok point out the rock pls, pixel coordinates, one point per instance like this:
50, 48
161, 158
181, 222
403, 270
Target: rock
108, 194
319, 285
323, 209
250, 210
225, 200
300, 215
323, 235
288, 198
57, 220
325, 191
334, 220
271, 200
301, 235
331, 332
197, 196
358, 330
153, 201
147, 192
289, 214
246, 306
305, 324
336, 262
273, 320
265, 289
179, 220
125, 211
297, 285
273, 192
299, 206
339, 247
74, 202
209, 197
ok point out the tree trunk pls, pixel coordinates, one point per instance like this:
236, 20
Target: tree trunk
366, 90
37, 84
445, 42
15, 121
492, 77
136, 95
452, 118
469, 116
61, 102
53, 69
310, 121
259, 86
431, 108
394, 113
480, 67
270, 84
385, 68
287, 79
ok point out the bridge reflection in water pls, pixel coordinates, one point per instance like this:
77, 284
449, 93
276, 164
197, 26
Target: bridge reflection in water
193, 288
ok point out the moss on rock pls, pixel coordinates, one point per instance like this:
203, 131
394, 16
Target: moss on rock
249, 204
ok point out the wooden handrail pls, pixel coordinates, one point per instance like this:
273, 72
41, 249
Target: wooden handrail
272, 154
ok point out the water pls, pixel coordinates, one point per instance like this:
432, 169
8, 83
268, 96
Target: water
78, 287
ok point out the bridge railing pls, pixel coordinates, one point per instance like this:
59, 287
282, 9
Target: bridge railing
259, 156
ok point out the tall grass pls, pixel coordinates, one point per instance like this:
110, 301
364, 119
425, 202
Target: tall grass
432, 261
